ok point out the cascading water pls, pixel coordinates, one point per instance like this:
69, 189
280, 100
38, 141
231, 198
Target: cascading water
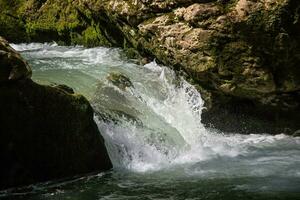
169, 125
154, 134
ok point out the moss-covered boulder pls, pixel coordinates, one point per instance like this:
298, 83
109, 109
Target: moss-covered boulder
46, 132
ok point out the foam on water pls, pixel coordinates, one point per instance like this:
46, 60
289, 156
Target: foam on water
166, 133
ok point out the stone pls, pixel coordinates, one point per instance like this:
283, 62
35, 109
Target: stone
12, 66
120, 80
64, 88
296, 133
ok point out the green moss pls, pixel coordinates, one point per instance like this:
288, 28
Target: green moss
62, 21
11, 25
59, 17
90, 37
12, 29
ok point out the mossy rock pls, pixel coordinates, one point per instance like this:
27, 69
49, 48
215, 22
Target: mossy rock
119, 80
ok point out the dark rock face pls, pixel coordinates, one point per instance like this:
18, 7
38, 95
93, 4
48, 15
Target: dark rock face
243, 55
45, 132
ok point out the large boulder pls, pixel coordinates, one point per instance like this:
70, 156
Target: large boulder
46, 132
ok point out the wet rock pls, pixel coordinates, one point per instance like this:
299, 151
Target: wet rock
117, 117
119, 80
12, 66
46, 132
145, 61
113, 105
296, 133
64, 88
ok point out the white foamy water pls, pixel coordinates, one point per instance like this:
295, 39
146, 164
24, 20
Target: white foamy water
156, 124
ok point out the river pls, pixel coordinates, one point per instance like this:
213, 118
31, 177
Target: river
155, 138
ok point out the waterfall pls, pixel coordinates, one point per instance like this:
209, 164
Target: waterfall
153, 122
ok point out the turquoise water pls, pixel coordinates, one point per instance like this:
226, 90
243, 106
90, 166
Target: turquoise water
155, 139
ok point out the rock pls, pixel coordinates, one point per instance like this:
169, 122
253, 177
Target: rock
111, 105
145, 61
12, 66
64, 88
119, 80
296, 133
45, 132
117, 117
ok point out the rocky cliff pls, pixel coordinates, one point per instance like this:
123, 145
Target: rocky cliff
45, 132
243, 55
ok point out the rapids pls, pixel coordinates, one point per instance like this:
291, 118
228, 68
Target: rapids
155, 138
